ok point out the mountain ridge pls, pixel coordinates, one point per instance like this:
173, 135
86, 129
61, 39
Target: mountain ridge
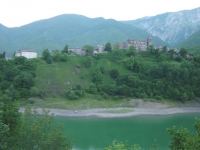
74, 30
171, 27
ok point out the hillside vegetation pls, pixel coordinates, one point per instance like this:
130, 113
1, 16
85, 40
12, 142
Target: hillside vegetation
74, 30
117, 74
68, 81
191, 42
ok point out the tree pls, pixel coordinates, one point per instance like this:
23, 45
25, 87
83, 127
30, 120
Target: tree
57, 56
97, 76
2, 55
47, 56
92, 89
162, 57
183, 139
108, 47
65, 50
164, 50
89, 50
40, 132
183, 52
20, 60
87, 61
131, 51
116, 46
23, 80
197, 59
29, 65
151, 49
71, 95
10, 120
171, 53
34, 92
114, 73
64, 57
4, 129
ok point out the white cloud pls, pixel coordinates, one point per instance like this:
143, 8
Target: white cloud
20, 12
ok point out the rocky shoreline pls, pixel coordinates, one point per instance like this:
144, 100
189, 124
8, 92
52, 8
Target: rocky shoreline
118, 112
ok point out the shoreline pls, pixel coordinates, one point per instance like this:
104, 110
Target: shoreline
117, 112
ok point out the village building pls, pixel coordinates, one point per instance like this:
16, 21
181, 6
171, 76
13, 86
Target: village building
26, 53
98, 49
140, 45
160, 48
70, 49
80, 51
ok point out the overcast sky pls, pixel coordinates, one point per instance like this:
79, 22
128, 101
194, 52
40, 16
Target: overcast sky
15, 13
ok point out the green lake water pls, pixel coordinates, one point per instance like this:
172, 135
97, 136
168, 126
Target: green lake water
96, 133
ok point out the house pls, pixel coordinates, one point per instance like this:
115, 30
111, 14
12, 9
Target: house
80, 51
160, 48
26, 53
70, 49
98, 49
140, 45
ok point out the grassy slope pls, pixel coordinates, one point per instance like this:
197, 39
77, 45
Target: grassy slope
53, 79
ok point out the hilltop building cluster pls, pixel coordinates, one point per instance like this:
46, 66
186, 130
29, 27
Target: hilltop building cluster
140, 45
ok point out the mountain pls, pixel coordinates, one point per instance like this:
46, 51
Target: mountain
191, 42
71, 29
4, 42
172, 27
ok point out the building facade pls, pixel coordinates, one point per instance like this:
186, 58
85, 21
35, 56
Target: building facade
26, 53
80, 51
98, 49
140, 45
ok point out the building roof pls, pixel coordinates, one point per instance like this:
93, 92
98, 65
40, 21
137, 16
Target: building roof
129, 41
26, 51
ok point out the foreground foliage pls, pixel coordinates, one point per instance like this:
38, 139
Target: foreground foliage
38, 132
29, 131
183, 139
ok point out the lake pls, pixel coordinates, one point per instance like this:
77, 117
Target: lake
96, 133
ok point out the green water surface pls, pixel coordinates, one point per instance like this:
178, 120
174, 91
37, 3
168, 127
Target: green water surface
96, 133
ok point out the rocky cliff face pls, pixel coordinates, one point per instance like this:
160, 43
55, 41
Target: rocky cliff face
172, 28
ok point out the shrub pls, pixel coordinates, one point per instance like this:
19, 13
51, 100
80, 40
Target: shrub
114, 73
34, 92
31, 101
71, 95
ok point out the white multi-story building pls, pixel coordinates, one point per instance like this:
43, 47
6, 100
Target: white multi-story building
26, 53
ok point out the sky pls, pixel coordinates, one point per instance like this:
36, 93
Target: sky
15, 13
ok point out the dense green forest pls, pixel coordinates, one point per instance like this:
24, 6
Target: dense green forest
115, 75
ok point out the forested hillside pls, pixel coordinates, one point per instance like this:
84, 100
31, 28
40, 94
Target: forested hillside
191, 42
74, 30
